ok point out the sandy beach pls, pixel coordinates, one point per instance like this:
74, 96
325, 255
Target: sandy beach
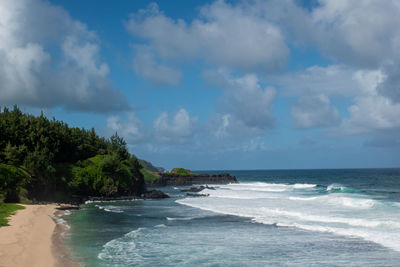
30, 238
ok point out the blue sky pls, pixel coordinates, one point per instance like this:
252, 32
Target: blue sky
214, 84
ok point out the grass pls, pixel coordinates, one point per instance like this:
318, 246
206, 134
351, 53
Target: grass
6, 210
182, 171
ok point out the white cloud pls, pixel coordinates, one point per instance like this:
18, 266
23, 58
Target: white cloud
390, 86
372, 114
231, 36
255, 144
249, 102
146, 66
179, 129
245, 104
48, 59
362, 33
133, 130
314, 111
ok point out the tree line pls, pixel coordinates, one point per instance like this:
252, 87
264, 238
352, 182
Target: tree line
42, 159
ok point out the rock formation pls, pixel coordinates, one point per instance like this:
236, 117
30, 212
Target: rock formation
174, 179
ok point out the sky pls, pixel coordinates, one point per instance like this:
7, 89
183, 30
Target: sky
211, 85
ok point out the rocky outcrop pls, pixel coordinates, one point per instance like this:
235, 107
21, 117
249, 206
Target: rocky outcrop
197, 189
153, 194
174, 179
196, 195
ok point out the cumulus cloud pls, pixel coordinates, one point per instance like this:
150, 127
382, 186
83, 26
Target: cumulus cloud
357, 34
146, 66
249, 102
179, 129
231, 36
371, 112
314, 111
390, 86
362, 33
132, 130
48, 59
246, 106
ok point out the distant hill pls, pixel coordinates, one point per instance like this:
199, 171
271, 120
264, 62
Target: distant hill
150, 167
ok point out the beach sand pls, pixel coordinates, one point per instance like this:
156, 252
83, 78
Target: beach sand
32, 239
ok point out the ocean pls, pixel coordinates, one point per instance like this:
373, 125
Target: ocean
339, 217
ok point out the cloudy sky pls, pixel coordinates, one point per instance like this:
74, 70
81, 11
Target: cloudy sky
214, 84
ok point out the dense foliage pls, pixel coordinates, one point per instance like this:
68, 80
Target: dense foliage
149, 176
45, 159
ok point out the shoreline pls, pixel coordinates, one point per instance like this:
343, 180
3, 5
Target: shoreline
34, 238
59, 249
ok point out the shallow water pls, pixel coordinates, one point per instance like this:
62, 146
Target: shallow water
272, 218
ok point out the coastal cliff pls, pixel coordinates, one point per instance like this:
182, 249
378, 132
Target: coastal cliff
175, 179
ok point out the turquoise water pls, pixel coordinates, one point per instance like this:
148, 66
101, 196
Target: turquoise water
272, 218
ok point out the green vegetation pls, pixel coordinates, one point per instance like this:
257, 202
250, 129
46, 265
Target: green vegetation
6, 210
182, 171
148, 166
149, 176
44, 159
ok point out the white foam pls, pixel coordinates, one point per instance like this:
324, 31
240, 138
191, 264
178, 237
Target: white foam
353, 202
116, 200
301, 186
66, 213
123, 247
113, 209
268, 187
337, 187
342, 213
304, 198
60, 221
180, 219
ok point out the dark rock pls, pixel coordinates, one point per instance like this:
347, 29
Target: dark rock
68, 207
193, 189
197, 189
155, 194
174, 179
197, 195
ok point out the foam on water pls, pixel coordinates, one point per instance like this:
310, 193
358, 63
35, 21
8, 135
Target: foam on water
180, 219
121, 249
344, 213
67, 212
110, 208
59, 220
267, 187
106, 201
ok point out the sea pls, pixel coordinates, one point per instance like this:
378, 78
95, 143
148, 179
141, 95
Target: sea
337, 217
